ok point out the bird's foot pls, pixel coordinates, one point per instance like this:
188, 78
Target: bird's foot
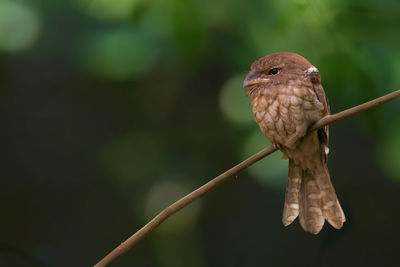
277, 146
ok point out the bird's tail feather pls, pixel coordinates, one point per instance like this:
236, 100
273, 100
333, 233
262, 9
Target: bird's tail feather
331, 208
291, 206
311, 196
310, 212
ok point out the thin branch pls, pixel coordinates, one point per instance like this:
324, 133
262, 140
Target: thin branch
355, 110
186, 200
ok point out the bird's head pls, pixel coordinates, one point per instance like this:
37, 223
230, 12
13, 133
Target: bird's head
279, 68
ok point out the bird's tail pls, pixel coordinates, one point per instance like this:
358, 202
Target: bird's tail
311, 196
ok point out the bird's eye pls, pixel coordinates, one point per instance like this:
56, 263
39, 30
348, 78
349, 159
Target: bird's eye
274, 71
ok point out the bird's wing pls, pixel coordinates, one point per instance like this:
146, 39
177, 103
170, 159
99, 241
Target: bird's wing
323, 133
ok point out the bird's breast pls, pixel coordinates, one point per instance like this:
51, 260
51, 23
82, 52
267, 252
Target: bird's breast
285, 112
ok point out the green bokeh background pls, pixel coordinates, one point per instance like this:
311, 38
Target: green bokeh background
112, 110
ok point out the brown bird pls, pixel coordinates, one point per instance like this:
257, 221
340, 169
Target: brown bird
287, 98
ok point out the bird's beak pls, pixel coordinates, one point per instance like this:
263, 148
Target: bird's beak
250, 80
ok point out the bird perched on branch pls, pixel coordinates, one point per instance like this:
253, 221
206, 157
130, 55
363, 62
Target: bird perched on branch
287, 98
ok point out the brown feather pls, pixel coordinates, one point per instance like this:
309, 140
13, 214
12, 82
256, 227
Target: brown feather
291, 206
310, 213
331, 208
285, 103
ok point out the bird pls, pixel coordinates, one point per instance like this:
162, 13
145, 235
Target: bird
287, 98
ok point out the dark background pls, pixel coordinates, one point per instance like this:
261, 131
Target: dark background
112, 110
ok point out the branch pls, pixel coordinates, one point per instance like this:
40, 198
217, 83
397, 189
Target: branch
186, 200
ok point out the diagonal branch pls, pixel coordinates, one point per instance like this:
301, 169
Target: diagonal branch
186, 200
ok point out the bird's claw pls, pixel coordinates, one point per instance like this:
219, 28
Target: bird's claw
277, 146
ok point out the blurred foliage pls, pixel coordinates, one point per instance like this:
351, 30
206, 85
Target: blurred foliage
109, 10
20, 26
114, 109
388, 152
110, 55
271, 173
233, 102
